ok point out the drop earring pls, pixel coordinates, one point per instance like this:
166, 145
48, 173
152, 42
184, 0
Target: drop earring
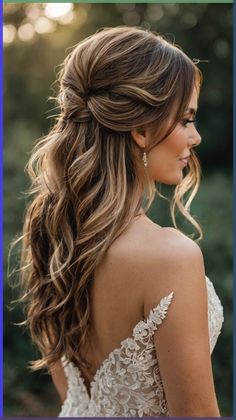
145, 161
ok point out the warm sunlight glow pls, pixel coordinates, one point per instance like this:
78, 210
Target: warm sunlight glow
26, 32
57, 10
33, 11
66, 19
44, 25
9, 33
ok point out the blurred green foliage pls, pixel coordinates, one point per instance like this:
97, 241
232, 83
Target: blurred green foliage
204, 31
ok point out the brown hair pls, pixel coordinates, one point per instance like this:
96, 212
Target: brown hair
88, 178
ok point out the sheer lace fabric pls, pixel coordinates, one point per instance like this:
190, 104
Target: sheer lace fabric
128, 383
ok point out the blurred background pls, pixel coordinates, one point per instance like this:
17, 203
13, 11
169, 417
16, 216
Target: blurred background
36, 40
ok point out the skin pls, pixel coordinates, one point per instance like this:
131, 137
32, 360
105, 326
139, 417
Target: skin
164, 260
163, 159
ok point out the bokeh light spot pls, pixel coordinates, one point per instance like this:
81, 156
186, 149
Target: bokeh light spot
57, 10
9, 33
26, 32
154, 12
44, 25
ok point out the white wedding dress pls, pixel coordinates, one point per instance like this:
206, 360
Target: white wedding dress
128, 383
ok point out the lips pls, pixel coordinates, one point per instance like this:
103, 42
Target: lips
185, 157
184, 160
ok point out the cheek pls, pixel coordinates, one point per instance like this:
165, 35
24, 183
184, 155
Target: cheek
172, 147
176, 144
163, 160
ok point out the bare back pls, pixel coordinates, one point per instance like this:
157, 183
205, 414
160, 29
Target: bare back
117, 292
117, 303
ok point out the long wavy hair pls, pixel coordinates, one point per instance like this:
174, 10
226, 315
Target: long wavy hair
88, 178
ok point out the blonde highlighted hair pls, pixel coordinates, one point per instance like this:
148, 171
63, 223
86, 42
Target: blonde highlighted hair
88, 178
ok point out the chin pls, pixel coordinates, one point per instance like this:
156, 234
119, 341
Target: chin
173, 180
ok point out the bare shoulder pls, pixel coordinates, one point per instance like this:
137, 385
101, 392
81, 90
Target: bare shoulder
146, 238
174, 240
174, 263
171, 248
153, 253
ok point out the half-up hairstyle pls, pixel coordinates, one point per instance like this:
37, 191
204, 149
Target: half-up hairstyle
88, 177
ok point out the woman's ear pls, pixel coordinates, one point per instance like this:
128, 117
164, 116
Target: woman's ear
139, 136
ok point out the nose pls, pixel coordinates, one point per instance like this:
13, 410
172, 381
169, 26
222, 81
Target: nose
195, 139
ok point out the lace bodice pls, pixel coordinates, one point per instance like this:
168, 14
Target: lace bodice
128, 383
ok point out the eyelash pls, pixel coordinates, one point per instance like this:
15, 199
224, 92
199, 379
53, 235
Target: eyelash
186, 121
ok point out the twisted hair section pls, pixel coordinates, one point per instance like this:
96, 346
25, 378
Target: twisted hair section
87, 176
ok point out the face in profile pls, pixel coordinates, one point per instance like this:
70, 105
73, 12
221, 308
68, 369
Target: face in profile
167, 160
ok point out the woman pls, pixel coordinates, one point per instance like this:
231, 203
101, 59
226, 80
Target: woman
119, 306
